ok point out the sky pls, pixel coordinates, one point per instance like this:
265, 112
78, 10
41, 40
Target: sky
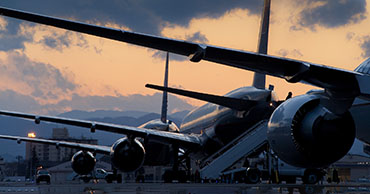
47, 70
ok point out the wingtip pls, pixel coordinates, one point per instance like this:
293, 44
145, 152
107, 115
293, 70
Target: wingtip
149, 85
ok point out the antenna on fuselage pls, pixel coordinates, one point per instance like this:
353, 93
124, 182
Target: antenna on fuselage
259, 79
165, 97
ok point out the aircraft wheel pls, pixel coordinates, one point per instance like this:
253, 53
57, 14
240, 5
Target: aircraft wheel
253, 175
311, 176
168, 176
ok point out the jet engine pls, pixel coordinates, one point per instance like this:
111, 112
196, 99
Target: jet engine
127, 155
304, 133
83, 162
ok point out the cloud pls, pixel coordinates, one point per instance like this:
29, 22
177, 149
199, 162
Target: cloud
365, 46
295, 53
39, 80
3, 24
350, 35
9, 35
11, 100
332, 13
197, 37
142, 16
66, 39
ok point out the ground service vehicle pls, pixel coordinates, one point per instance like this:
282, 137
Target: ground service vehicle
42, 175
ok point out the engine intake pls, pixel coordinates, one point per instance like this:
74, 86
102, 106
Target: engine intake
127, 155
83, 162
304, 133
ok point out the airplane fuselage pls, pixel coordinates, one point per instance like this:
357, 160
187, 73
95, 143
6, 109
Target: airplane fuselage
218, 125
158, 153
360, 111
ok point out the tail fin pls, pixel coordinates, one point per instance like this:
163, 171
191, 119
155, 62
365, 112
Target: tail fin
259, 79
165, 97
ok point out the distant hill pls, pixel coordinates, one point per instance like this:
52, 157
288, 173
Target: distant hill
79, 114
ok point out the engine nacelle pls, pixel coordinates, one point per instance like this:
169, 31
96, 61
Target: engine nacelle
304, 133
83, 162
127, 155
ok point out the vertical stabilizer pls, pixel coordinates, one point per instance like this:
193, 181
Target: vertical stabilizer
259, 80
165, 98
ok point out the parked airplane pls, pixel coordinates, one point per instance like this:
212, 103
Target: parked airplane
311, 130
83, 162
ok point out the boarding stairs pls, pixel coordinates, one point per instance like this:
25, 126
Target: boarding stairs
247, 143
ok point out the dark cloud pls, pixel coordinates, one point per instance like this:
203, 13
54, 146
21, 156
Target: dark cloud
295, 53
196, 37
140, 15
64, 40
333, 13
11, 100
56, 42
10, 38
365, 45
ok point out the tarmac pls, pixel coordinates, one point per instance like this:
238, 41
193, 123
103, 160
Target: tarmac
174, 188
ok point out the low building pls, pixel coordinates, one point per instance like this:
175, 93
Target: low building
50, 153
351, 167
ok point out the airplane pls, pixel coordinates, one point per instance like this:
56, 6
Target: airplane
83, 162
310, 131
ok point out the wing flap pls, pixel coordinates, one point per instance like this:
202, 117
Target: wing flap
88, 147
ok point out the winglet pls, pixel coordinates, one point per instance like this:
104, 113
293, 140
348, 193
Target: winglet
259, 79
165, 97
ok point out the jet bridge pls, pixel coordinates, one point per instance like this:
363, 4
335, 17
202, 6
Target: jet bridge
247, 143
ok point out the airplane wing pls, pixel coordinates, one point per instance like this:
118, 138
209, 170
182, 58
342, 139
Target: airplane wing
88, 147
333, 79
187, 140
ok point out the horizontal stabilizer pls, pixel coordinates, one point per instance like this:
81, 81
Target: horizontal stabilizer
233, 103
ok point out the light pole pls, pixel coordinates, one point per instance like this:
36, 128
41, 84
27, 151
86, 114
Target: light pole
31, 135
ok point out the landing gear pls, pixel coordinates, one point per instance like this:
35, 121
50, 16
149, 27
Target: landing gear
113, 177
170, 175
311, 176
253, 175
175, 173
